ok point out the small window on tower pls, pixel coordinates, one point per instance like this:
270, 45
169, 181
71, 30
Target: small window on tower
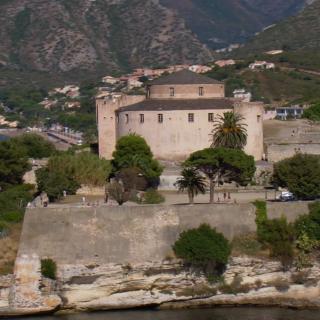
171, 92
210, 117
127, 118
201, 92
191, 117
141, 118
160, 118
258, 118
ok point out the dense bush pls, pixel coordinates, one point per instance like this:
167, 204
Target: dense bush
203, 248
309, 224
152, 196
300, 174
48, 269
132, 151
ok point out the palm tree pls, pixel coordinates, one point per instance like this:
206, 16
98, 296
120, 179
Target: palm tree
192, 181
229, 131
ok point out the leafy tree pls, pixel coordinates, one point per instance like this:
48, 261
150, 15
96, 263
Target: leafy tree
54, 183
229, 131
222, 165
193, 182
300, 174
132, 151
204, 248
13, 164
35, 145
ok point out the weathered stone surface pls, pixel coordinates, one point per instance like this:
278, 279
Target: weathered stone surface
24, 296
116, 286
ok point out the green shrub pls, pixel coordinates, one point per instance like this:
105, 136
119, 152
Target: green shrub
309, 224
203, 248
278, 235
48, 268
261, 218
152, 196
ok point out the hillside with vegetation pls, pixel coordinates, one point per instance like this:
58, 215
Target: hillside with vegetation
68, 36
300, 32
294, 79
220, 23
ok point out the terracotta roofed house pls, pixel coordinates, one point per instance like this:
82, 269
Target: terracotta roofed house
175, 117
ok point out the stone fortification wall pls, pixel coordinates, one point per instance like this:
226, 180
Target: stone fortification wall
123, 234
278, 152
106, 121
291, 210
132, 234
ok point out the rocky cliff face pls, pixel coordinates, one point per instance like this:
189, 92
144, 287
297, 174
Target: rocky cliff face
69, 35
166, 284
114, 35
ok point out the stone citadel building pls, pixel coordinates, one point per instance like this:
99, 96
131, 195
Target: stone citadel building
175, 117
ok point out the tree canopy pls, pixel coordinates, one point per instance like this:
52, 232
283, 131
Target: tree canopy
222, 165
34, 145
132, 151
300, 174
13, 164
67, 172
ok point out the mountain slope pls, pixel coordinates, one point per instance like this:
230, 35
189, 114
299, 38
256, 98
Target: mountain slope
300, 32
66, 35
221, 22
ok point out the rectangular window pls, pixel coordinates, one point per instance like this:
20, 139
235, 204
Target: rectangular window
191, 117
201, 92
210, 117
171, 92
160, 118
127, 118
141, 118
258, 118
